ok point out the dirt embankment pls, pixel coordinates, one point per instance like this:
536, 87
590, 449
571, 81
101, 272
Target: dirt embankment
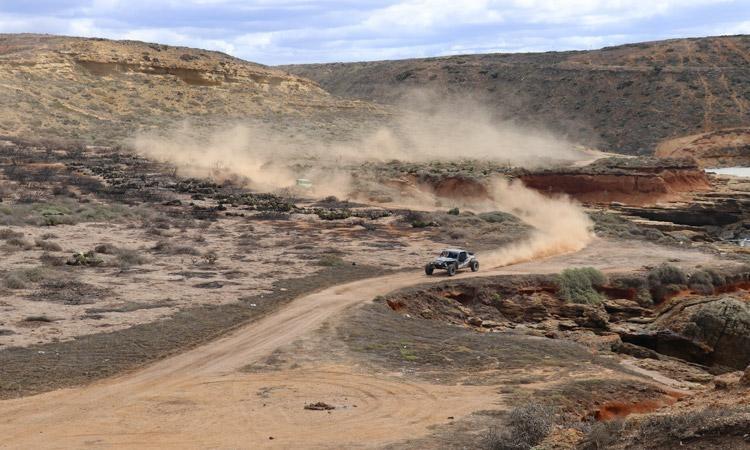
630, 185
720, 148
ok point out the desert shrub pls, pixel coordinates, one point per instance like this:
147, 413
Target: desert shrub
333, 214
20, 243
169, 248
578, 285
667, 274
88, 258
497, 217
701, 282
330, 261
527, 425
454, 211
49, 246
7, 233
19, 279
210, 257
106, 249
14, 281
127, 258
717, 279
602, 435
637, 283
44, 319
665, 280
51, 260
679, 426
418, 220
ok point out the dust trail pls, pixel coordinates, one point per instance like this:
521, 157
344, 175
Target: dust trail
428, 130
559, 224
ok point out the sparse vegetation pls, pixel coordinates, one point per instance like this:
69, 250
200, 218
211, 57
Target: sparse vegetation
578, 285
170, 248
526, 426
330, 261
48, 246
19, 243
666, 280
22, 278
126, 258
7, 233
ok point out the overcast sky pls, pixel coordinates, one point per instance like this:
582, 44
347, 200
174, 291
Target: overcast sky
299, 31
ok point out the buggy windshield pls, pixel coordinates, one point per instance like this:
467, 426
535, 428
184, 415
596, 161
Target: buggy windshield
447, 254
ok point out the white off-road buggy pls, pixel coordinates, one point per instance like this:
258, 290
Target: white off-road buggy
452, 260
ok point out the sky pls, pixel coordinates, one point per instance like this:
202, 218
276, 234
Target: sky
299, 31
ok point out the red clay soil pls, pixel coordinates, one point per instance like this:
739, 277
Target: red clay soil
620, 410
634, 188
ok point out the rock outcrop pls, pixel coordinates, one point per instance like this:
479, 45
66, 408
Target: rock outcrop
632, 182
96, 89
710, 331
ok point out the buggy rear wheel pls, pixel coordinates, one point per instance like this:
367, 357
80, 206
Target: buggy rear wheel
474, 265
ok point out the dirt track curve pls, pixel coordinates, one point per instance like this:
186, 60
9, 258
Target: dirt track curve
198, 399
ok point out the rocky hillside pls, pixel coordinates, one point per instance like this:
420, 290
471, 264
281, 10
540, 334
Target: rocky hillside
99, 90
627, 98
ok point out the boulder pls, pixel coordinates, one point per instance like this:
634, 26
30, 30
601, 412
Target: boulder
719, 326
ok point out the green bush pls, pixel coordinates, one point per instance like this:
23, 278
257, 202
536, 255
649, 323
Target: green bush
701, 282
667, 274
666, 280
579, 285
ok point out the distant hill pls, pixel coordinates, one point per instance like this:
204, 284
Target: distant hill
627, 98
97, 90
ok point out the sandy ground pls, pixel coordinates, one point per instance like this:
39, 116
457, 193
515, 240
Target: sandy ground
252, 254
198, 399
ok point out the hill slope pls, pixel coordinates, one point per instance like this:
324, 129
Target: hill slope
101, 90
626, 98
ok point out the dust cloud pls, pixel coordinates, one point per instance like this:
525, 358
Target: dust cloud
559, 224
426, 130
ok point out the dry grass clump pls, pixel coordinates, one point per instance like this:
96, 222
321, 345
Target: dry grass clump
331, 261
22, 278
19, 243
124, 257
170, 248
669, 430
527, 425
7, 233
48, 246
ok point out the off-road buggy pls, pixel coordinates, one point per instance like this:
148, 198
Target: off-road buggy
453, 259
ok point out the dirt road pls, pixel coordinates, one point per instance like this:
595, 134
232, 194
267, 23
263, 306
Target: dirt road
198, 399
